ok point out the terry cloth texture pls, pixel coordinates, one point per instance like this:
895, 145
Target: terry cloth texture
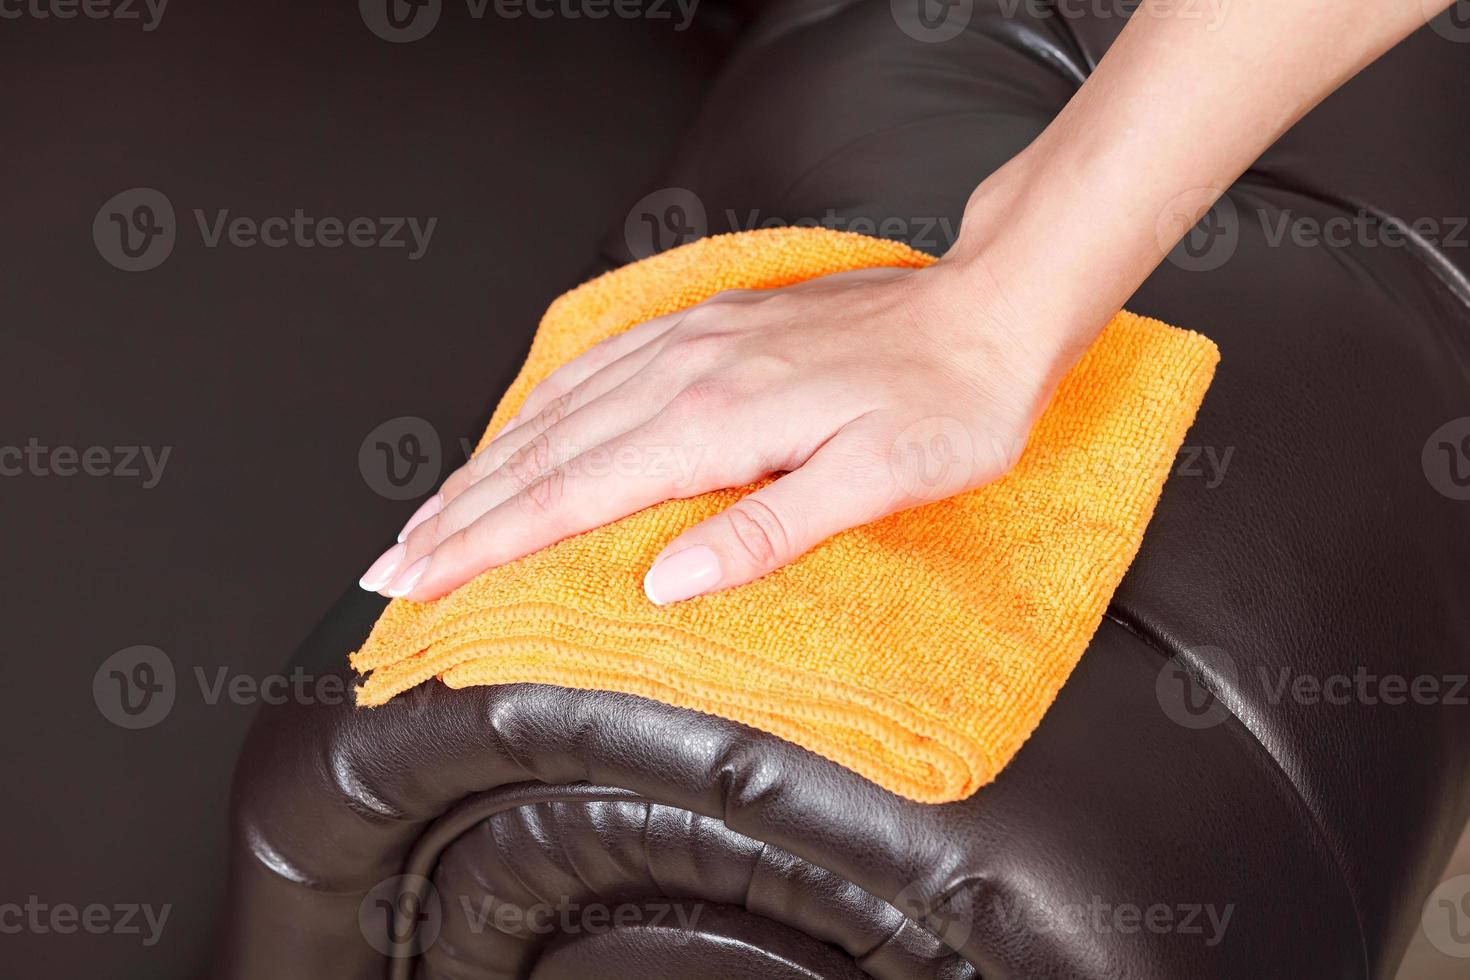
919, 651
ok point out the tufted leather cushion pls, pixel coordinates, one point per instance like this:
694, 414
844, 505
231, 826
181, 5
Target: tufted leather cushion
1139, 833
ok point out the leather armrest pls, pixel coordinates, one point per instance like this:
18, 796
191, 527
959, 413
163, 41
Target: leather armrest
1112, 846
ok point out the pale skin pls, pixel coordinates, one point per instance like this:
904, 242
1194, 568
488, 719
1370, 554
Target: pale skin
822, 383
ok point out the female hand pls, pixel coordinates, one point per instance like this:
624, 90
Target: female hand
871, 391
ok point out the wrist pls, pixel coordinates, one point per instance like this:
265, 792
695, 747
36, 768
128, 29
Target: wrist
1024, 261
1062, 236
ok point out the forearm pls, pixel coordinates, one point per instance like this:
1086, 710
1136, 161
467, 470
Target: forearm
1176, 111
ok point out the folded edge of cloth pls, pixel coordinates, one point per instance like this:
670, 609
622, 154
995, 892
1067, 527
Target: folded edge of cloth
919, 651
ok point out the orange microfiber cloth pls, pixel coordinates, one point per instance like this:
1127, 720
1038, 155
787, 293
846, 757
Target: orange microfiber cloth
919, 651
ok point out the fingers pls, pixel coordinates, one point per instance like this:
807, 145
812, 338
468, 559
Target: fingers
585, 492
580, 369
513, 440
570, 388
844, 484
583, 433
426, 510
575, 402
588, 363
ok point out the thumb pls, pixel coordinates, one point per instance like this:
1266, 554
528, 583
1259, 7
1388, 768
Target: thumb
844, 484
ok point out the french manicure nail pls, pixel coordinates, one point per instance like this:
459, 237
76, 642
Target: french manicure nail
382, 570
404, 583
682, 575
426, 510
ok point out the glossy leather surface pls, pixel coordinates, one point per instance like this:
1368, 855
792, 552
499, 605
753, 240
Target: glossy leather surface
1286, 839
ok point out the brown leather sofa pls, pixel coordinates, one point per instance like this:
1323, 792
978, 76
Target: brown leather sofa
1228, 787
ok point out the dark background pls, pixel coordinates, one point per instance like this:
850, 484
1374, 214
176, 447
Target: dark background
261, 370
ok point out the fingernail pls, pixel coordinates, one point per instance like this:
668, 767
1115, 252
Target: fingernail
382, 570
404, 583
682, 575
426, 510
